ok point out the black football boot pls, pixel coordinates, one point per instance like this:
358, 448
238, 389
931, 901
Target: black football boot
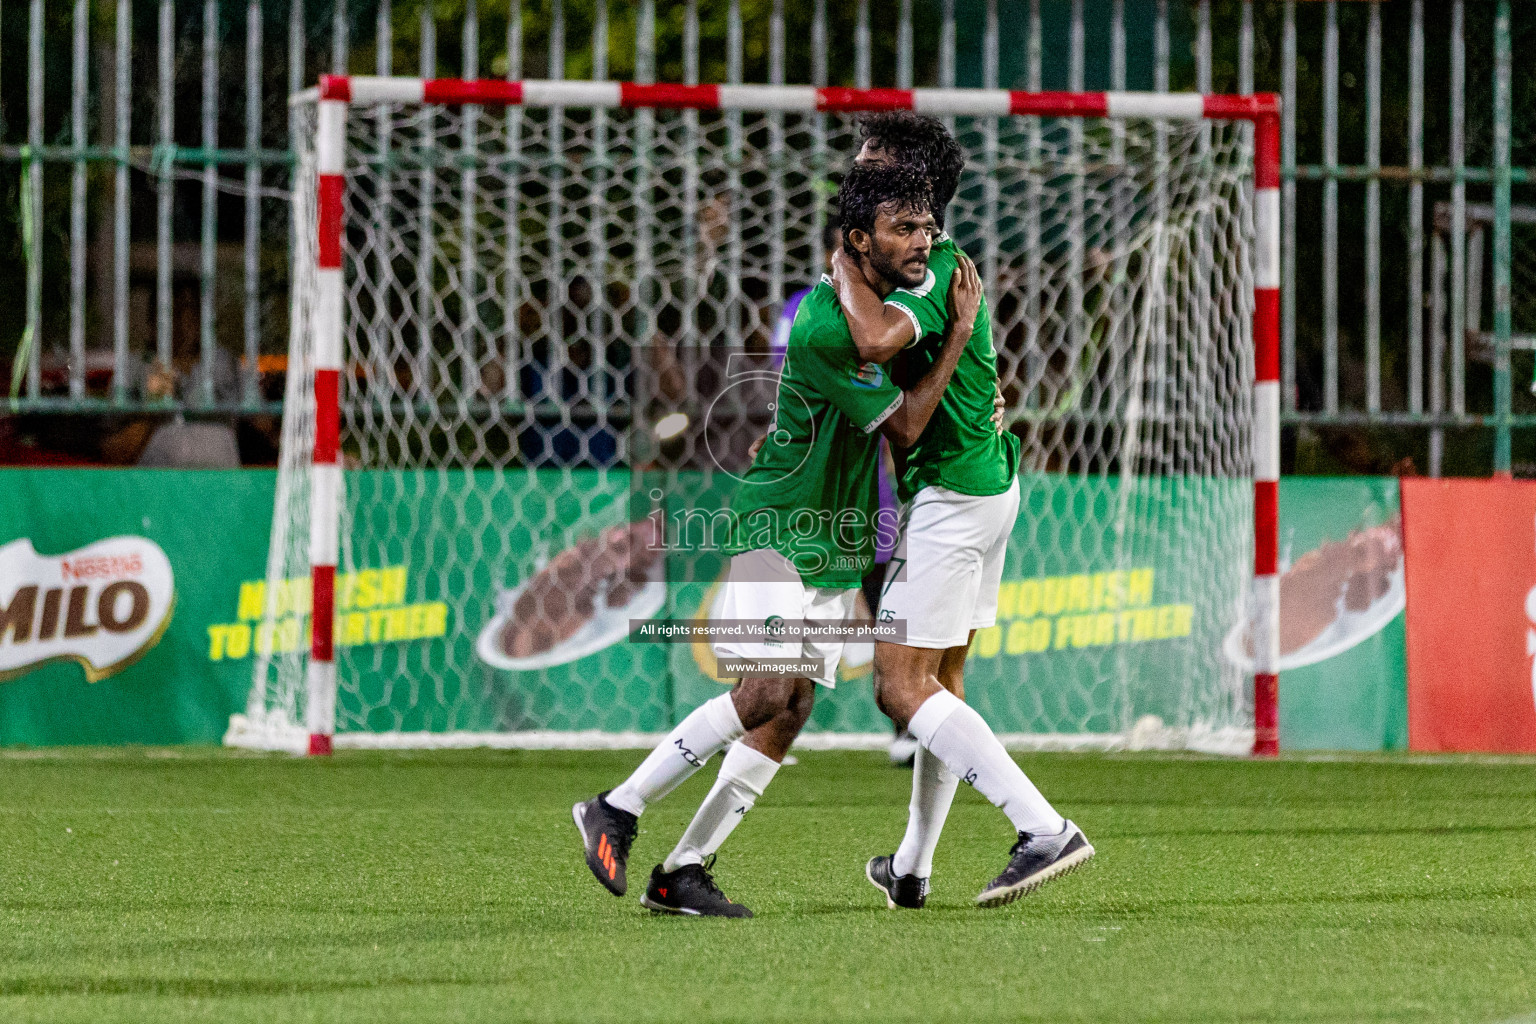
690, 891
606, 832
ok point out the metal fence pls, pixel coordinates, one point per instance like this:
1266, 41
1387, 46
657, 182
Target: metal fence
145, 148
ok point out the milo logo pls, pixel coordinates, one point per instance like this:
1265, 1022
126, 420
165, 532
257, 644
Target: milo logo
103, 605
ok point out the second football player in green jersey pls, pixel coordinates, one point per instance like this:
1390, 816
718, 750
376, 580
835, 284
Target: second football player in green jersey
961, 449
961, 492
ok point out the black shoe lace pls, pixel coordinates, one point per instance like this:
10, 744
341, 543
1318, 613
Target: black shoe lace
624, 834
1024, 840
708, 880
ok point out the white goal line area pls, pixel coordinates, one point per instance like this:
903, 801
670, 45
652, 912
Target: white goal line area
1229, 742
480, 307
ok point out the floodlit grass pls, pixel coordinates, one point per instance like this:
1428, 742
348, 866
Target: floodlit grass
210, 886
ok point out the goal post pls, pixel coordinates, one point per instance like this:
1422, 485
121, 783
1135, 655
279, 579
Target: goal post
498, 285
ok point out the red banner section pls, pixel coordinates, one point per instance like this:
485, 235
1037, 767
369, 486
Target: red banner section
1471, 561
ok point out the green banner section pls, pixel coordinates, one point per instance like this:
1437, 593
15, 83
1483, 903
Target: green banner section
1114, 607
467, 545
1343, 665
1119, 608
178, 687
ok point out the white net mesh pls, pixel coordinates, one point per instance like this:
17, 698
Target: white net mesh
542, 312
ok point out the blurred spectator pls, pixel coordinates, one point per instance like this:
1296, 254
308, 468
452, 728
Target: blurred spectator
182, 445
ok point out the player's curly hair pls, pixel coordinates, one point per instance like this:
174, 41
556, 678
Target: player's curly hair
866, 189
921, 142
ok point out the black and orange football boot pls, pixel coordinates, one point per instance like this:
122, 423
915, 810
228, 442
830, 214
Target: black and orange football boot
606, 832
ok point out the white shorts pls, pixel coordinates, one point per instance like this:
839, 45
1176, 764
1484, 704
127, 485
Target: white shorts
762, 584
944, 575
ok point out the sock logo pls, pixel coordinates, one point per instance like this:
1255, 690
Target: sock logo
741, 810
969, 778
688, 755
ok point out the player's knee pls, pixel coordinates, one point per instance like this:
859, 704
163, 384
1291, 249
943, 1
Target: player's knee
761, 699
901, 686
894, 673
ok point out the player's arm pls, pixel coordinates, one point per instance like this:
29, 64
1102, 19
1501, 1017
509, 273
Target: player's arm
879, 330
906, 424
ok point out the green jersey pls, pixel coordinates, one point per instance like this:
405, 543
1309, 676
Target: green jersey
960, 449
812, 493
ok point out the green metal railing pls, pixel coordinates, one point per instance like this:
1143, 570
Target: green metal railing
1370, 340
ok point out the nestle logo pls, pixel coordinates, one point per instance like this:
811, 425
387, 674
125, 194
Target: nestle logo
102, 568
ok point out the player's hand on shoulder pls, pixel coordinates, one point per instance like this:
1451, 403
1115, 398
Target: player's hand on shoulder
964, 292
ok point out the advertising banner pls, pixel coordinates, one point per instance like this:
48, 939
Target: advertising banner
1099, 628
111, 582
1342, 621
1097, 635
1471, 614
523, 623
134, 608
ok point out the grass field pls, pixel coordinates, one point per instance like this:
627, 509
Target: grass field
209, 886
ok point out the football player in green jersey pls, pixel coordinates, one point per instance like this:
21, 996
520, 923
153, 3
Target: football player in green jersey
960, 492
802, 536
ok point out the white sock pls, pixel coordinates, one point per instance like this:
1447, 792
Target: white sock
961, 738
708, 729
744, 774
933, 790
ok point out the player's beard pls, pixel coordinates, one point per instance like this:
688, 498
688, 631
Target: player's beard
898, 275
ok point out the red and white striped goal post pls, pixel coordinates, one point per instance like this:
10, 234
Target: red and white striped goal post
336, 92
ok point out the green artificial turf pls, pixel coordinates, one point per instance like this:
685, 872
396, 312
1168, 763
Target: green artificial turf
209, 886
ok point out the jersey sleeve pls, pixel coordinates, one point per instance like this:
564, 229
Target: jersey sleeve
860, 390
923, 305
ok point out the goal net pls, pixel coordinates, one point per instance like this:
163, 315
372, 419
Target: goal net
533, 335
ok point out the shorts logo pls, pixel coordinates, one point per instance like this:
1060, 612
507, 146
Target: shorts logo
867, 375
773, 630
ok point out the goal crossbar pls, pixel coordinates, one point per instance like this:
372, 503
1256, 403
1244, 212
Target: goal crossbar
370, 89
336, 93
